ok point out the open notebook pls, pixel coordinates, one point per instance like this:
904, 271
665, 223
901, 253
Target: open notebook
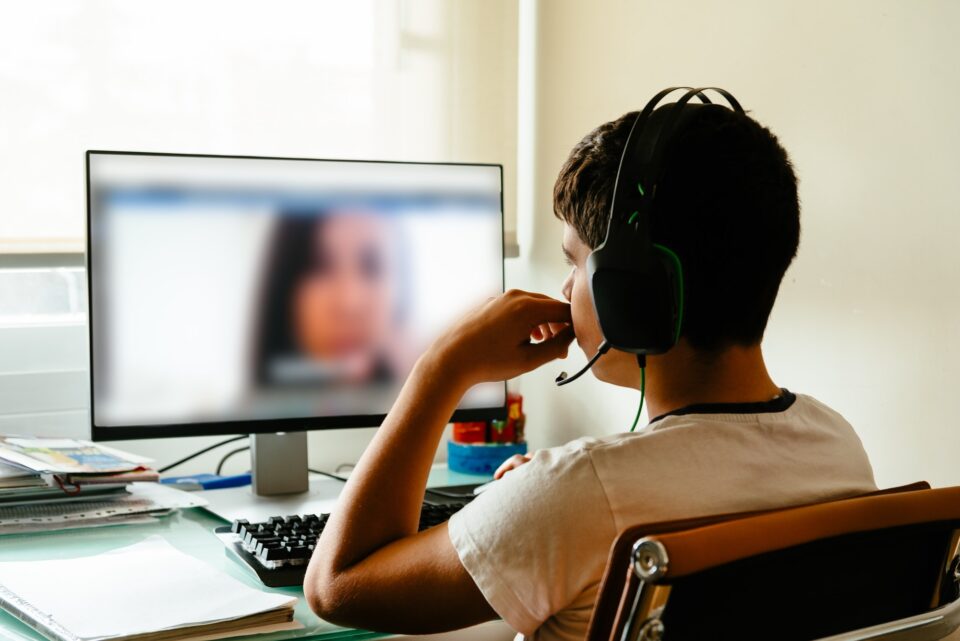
149, 591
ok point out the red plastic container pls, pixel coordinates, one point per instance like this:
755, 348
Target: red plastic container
475, 432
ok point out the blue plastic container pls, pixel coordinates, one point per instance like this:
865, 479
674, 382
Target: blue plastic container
480, 458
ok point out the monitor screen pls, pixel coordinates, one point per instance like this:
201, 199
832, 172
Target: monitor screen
240, 294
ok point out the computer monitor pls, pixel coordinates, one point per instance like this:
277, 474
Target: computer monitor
238, 294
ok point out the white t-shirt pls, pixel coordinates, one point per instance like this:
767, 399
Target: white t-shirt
536, 543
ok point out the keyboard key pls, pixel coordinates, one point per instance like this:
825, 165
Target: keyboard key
276, 554
266, 543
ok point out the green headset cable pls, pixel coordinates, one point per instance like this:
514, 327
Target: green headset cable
643, 391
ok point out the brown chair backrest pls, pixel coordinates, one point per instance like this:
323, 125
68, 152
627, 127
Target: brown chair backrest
619, 584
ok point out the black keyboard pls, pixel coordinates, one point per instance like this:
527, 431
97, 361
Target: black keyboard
279, 549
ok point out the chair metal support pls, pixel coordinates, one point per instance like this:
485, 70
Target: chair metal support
650, 562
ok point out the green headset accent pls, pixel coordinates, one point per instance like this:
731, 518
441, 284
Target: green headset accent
672, 255
678, 267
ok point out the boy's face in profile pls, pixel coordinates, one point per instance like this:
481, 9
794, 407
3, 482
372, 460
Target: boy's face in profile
614, 367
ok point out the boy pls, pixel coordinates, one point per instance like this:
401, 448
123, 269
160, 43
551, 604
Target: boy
723, 437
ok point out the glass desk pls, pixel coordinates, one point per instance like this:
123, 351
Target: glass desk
190, 531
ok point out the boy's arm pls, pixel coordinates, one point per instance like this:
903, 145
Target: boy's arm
371, 568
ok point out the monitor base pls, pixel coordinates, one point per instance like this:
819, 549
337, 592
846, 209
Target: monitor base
278, 463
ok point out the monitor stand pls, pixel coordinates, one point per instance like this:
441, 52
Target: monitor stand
278, 463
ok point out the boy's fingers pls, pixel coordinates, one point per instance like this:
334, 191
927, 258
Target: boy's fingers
550, 349
546, 310
511, 463
556, 327
506, 466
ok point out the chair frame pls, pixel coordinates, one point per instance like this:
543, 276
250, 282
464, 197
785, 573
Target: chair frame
651, 571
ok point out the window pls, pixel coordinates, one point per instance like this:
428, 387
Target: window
384, 79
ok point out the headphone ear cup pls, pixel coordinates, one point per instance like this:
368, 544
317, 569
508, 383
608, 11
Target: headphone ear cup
637, 306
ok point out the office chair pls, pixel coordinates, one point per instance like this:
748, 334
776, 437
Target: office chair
879, 566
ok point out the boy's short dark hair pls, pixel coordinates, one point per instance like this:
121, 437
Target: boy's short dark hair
726, 204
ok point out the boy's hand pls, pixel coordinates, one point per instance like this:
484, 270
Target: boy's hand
493, 343
511, 463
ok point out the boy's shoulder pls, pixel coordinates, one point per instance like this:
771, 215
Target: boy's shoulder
794, 419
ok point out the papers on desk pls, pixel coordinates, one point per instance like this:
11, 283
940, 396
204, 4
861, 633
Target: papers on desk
149, 591
139, 503
103, 486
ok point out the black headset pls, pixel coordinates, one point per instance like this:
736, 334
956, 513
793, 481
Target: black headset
636, 284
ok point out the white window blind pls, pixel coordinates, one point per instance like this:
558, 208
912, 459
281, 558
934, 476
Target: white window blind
382, 79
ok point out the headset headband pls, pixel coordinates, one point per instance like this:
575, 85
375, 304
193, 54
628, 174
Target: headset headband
645, 157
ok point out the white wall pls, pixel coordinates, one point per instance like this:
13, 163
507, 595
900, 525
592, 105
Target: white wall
863, 95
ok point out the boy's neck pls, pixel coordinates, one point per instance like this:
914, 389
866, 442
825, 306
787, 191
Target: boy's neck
684, 377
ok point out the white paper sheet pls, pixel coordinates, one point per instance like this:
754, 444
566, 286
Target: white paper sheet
145, 587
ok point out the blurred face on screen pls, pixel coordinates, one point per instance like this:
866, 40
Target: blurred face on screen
345, 305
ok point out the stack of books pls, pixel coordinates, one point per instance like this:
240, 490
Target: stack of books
33, 469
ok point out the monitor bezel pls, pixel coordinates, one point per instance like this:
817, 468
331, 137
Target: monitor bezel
259, 426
